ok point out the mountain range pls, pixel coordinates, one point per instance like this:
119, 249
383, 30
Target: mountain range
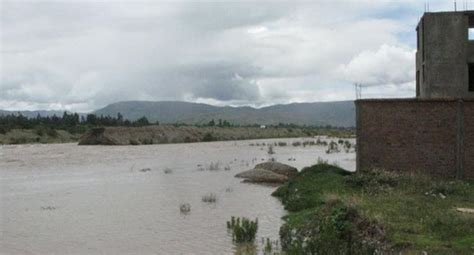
341, 114
322, 113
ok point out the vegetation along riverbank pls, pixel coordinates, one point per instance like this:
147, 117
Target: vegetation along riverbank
187, 134
92, 129
332, 211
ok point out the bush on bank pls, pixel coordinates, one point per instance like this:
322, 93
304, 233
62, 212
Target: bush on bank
332, 211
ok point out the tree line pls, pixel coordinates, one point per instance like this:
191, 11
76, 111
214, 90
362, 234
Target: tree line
75, 123
71, 122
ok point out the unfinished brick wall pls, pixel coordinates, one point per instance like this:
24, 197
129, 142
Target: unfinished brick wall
416, 135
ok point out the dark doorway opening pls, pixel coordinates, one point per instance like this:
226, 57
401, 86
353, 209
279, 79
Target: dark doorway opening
471, 77
417, 83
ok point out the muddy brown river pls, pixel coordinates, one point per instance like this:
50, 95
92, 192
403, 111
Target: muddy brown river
69, 199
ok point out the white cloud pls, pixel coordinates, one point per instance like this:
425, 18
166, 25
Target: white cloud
83, 55
388, 65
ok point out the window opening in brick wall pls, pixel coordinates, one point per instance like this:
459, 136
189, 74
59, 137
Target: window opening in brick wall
471, 34
471, 28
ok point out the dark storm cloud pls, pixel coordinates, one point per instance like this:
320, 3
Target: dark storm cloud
81, 55
224, 82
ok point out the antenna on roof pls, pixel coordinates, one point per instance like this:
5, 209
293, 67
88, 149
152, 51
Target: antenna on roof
358, 90
455, 6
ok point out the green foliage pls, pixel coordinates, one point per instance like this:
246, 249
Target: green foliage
134, 142
333, 147
309, 143
320, 142
70, 122
347, 146
374, 181
52, 132
143, 121
335, 212
22, 136
303, 192
146, 141
332, 228
270, 150
208, 137
243, 229
46, 129
209, 198
296, 144
268, 247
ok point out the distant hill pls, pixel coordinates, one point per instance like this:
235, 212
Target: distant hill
340, 114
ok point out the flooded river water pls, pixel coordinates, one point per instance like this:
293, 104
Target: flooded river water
69, 199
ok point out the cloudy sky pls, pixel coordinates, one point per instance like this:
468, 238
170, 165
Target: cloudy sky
83, 55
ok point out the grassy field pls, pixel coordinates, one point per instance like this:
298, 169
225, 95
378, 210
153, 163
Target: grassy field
24, 136
335, 212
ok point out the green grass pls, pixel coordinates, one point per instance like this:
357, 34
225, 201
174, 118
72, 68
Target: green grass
243, 230
26, 136
332, 210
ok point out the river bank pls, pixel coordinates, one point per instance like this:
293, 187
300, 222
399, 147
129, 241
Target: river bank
187, 134
163, 134
332, 211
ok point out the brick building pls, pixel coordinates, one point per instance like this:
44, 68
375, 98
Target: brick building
434, 132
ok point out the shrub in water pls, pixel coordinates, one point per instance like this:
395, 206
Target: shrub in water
243, 230
185, 208
320, 142
296, 144
333, 147
270, 247
270, 150
209, 198
214, 166
321, 161
347, 146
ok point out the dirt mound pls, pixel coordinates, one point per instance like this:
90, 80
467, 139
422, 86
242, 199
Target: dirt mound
278, 168
269, 172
